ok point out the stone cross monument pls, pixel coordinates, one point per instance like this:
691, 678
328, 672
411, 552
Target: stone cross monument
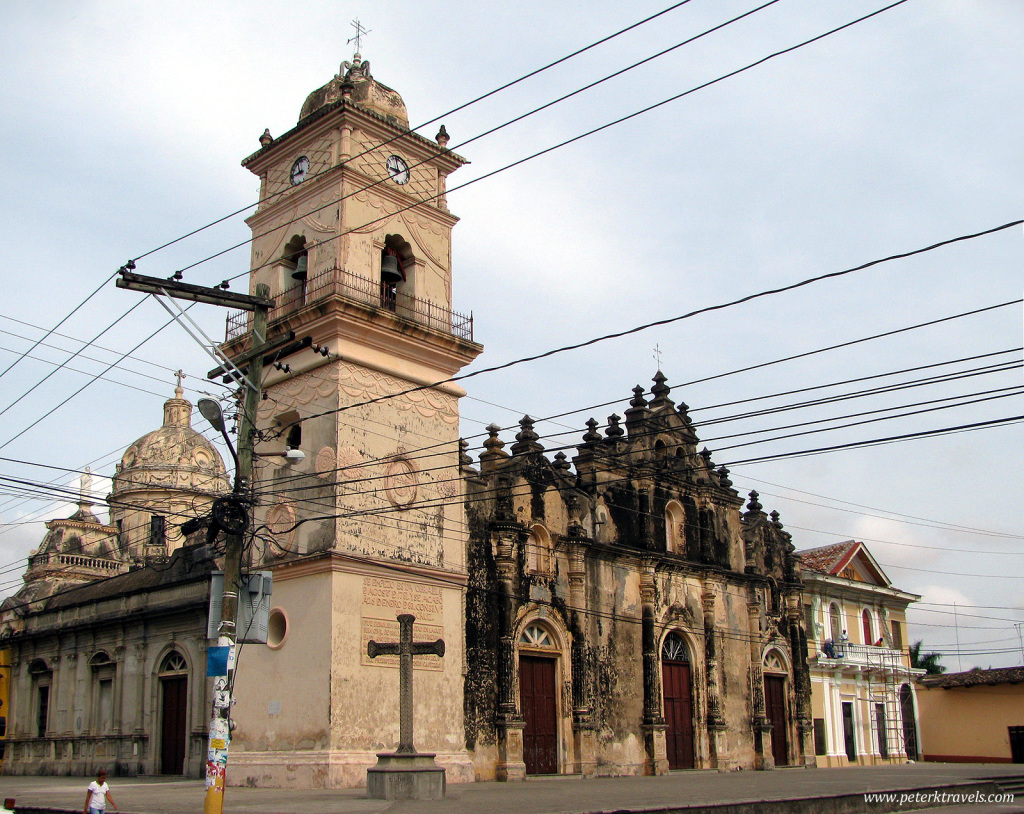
405, 774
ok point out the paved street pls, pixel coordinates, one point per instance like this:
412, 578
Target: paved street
548, 795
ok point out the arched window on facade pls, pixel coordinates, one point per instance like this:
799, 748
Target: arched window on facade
675, 528
869, 637
835, 622
540, 551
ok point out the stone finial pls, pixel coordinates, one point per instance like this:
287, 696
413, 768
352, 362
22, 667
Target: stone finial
465, 461
442, 137
683, 409
660, 392
706, 455
526, 438
638, 401
591, 436
723, 477
266, 138
754, 505
561, 464
493, 446
614, 431
775, 520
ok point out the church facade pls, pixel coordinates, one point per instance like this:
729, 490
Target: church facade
107, 638
626, 614
619, 611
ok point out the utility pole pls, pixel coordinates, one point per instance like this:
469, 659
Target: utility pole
234, 545
234, 519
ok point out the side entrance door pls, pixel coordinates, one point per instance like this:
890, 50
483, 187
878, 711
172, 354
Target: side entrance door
775, 707
848, 736
678, 714
173, 734
537, 701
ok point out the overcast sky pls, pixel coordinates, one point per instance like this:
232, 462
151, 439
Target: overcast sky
124, 124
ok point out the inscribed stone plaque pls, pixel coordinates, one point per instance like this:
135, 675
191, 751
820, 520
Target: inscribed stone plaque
383, 600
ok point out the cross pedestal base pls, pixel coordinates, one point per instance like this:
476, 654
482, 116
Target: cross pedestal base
399, 776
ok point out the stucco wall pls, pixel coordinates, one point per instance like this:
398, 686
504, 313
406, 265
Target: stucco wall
969, 724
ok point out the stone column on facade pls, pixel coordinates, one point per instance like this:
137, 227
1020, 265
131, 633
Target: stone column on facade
715, 721
801, 683
585, 746
118, 690
510, 723
139, 663
81, 716
17, 722
654, 727
61, 698
655, 749
763, 756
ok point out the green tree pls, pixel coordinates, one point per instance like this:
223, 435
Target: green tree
929, 662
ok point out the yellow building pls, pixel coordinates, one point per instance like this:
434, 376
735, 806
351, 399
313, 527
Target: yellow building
862, 695
990, 702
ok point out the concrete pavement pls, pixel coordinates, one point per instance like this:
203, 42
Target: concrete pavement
819, 790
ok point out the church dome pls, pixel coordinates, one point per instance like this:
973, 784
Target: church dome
172, 457
362, 89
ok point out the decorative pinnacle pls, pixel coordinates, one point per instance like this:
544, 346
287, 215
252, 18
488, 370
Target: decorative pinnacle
614, 431
638, 401
754, 505
266, 138
442, 137
591, 435
493, 446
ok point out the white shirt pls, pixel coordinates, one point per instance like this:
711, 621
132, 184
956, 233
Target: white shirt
99, 795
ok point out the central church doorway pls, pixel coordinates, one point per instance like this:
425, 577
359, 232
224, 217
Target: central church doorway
775, 706
678, 702
537, 701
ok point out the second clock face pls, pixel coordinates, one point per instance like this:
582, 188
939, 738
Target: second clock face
398, 169
300, 169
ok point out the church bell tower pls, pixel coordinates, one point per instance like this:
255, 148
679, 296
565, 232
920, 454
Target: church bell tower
352, 237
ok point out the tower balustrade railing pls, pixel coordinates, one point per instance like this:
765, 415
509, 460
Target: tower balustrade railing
345, 285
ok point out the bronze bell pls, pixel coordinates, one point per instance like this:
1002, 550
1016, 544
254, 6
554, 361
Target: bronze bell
301, 268
389, 270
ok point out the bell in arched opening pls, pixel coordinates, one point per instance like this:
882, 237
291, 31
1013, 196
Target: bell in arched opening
301, 267
390, 270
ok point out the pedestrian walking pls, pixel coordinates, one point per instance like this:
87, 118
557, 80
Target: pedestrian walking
98, 794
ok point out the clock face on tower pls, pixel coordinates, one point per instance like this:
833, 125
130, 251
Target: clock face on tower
300, 169
398, 169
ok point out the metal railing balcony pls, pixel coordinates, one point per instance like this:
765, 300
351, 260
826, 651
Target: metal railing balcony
865, 657
345, 285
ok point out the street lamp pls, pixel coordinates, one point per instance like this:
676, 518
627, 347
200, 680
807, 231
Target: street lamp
211, 411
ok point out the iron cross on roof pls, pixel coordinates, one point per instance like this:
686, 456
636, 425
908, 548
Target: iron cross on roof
405, 649
360, 33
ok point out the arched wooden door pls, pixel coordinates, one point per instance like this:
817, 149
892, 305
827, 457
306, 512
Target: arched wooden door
537, 700
174, 714
775, 707
678, 702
